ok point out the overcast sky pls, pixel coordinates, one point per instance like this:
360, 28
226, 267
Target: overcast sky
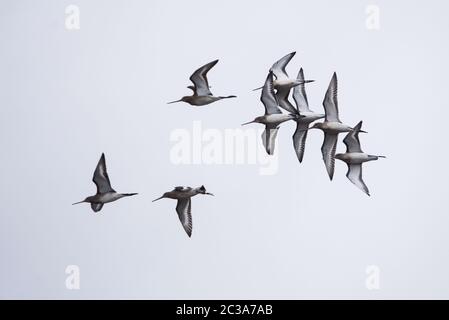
66, 96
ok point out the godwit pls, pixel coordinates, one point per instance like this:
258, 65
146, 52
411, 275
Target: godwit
273, 115
201, 89
354, 157
184, 206
283, 83
308, 116
331, 126
105, 193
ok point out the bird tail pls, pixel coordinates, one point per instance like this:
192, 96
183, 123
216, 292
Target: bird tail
227, 97
129, 194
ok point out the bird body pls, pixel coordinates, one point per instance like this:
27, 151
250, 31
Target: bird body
184, 205
355, 157
201, 100
307, 116
108, 197
274, 119
287, 83
332, 126
282, 82
273, 115
105, 192
182, 192
201, 90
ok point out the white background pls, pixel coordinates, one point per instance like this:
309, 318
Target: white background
66, 96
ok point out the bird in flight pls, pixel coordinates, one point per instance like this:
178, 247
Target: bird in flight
354, 157
184, 206
201, 89
105, 193
308, 116
282, 82
273, 115
331, 126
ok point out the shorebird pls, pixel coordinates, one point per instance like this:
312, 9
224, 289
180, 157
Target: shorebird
273, 115
184, 206
331, 126
201, 89
354, 157
105, 193
283, 83
308, 116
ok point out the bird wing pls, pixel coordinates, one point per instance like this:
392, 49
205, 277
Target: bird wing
180, 188
299, 139
354, 174
330, 102
268, 96
282, 98
101, 178
328, 150
299, 94
184, 210
352, 141
96, 206
199, 79
269, 138
278, 67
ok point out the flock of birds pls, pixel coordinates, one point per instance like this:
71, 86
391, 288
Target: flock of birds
275, 98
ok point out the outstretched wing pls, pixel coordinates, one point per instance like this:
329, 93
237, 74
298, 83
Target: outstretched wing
299, 139
199, 79
282, 98
269, 138
352, 141
354, 174
268, 96
328, 150
278, 67
101, 178
183, 208
330, 102
299, 94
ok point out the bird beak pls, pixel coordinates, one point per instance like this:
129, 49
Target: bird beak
243, 124
174, 101
308, 81
157, 199
211, 194
257, 88
78, 202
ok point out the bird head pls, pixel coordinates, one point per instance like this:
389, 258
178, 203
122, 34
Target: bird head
183, 99
163, 196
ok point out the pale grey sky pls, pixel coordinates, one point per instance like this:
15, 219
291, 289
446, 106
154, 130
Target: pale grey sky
67, 96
